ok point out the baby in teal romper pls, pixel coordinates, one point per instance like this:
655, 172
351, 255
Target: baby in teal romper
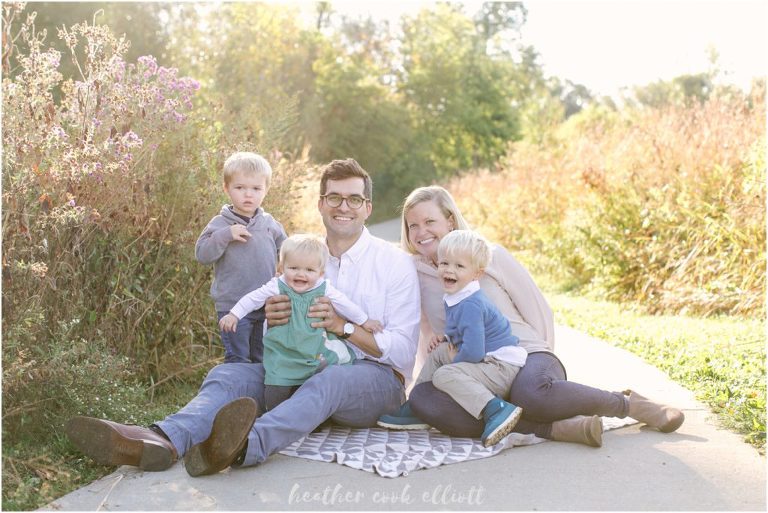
295, 351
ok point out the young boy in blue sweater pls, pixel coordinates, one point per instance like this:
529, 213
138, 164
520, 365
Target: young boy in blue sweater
477, 359
242, 244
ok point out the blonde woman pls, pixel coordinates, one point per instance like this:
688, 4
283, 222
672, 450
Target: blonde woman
553, 407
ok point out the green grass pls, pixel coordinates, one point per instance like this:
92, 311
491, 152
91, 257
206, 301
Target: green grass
36, 472
722, 360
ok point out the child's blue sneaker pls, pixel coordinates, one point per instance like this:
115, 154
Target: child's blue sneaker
500, 418
403, 419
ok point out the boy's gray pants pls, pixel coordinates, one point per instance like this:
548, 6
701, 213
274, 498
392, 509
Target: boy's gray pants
471, 385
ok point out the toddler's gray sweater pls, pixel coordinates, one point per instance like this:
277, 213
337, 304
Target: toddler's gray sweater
239, 267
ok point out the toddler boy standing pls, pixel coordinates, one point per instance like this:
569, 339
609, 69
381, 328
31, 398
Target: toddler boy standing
242, 243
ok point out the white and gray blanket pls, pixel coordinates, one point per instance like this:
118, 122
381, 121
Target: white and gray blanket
396, 453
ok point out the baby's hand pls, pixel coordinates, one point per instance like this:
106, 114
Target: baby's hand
228, 323
239, 233
435, 341
373, 326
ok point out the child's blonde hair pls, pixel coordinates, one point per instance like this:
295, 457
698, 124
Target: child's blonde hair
246, 162
466, 242
307, 244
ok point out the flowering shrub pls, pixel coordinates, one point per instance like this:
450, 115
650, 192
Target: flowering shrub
89, 222
108, 177
62, 152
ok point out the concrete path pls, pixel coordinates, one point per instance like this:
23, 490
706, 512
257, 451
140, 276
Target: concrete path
388, 230
698, 468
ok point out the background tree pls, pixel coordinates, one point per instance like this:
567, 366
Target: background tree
358, 114
498, 24
681, 90
457, 94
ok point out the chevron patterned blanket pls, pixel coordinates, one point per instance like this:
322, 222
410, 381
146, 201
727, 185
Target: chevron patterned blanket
396, 453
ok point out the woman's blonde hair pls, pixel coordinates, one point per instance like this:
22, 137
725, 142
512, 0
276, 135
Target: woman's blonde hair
442, 199
307, 244
467, 243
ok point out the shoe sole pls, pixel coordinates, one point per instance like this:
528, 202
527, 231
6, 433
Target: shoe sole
105, 445
402, 427
217, 452
503, 429
673, 424
595, 434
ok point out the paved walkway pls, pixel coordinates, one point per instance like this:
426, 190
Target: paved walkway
698, 468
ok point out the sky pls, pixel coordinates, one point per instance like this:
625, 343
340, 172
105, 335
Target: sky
607, 45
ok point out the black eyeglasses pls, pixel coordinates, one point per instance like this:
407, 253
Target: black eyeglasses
335, 200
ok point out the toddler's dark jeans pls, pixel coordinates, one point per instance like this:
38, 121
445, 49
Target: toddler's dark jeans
245, 345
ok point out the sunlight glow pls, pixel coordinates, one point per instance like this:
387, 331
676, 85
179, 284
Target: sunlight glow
607, 45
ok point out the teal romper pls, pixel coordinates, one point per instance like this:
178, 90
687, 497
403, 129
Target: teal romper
295, 351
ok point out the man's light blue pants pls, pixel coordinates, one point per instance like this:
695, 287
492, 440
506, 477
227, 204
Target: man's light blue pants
354, 395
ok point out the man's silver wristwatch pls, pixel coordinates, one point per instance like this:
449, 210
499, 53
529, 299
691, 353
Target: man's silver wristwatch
349, 328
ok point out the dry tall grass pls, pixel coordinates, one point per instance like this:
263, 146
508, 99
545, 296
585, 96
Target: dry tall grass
105, 191
661, 206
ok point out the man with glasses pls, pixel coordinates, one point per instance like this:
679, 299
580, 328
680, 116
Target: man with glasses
221, 426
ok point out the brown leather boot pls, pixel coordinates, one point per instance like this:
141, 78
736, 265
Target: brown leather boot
580, 429
228, 437
110, 443
660, 416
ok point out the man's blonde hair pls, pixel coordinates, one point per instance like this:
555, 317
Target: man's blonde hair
466, 243
439, 197
248, 163
306, 244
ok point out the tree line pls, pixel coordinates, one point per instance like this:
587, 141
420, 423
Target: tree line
424, 99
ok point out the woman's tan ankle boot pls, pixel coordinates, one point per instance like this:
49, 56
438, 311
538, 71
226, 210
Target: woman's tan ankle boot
580, 429
664, 418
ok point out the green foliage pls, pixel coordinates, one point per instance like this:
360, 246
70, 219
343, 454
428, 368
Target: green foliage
680, 90
721, 359
46, 380
439, 97
358, 116
458, 94
496, 18
261, 63
45, 383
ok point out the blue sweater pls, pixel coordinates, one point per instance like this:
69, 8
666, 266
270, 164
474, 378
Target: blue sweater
477, 327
